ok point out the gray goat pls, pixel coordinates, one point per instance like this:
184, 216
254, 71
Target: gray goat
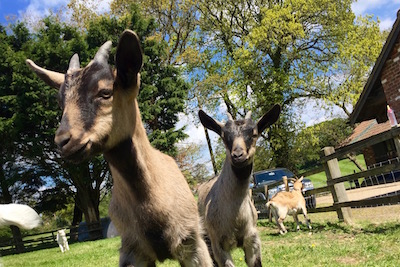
152, 206
224, 202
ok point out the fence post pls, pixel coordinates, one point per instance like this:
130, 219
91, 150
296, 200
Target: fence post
338, 191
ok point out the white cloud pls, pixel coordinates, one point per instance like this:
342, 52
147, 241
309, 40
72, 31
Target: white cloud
314, 111
386, 24
385, 10
40, 8
361, 6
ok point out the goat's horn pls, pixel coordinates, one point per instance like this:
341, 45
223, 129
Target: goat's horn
230, 117
52, 78
74, 63
103, 53
248, 115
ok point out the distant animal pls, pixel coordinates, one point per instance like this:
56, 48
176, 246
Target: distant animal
292, 203
62, 240
19, 215
152, 206
229, 214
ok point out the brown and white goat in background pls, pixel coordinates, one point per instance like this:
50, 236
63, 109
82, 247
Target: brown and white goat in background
292, 203
152, 206
224, 202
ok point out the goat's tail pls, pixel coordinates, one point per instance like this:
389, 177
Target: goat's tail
268, 204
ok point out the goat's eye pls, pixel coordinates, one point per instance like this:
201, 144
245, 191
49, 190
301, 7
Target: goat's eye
105, 93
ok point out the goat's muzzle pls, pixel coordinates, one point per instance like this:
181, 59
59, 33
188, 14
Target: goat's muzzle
71, 149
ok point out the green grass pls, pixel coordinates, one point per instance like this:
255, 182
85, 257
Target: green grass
346, 167
329, 244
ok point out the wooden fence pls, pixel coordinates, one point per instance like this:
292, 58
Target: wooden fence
44, 240
335, 181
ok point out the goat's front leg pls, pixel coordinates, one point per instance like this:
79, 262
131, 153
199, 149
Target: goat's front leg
296, 220
252, 250
222, 257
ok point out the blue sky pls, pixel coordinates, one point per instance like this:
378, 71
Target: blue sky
384, 9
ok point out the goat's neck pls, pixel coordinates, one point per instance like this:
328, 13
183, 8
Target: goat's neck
236, 179
297, 191
130, 160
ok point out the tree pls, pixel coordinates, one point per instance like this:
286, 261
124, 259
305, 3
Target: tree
262, 52
19, 178
311, 140
176, 22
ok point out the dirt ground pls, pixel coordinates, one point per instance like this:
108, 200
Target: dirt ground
371, 214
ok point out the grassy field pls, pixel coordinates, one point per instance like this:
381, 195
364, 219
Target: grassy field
373, 240
328, 244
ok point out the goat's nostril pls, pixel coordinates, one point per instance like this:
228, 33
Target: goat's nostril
237, 154
62, 139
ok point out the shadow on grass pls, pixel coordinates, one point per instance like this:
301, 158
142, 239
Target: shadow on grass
335, 227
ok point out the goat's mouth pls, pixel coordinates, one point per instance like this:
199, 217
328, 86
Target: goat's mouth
77, 153
240, 162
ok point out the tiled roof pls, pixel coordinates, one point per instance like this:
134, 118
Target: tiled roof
364, 130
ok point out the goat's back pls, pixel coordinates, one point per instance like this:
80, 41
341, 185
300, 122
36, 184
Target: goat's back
289, 199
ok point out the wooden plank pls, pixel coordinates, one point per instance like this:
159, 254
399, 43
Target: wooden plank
367, 173
317, 169
359, 203
370, 202
322, 209
317, 190
340, 152
338, 191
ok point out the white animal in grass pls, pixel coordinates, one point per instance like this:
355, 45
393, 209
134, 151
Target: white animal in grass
62, 240
19, 215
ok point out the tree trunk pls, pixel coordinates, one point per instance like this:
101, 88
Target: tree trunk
77, 219
17, 238
211, 152
353, 159
87, 198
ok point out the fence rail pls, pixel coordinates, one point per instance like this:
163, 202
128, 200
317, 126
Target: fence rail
33, 242
335, 181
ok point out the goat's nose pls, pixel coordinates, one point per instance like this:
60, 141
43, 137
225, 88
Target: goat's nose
62, 137
237, 153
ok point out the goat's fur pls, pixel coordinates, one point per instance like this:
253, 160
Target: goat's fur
152, 206
62, 241
224, 202
292, 203
19, 215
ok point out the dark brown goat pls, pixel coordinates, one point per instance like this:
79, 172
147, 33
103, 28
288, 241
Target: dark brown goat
152, 206
224, 202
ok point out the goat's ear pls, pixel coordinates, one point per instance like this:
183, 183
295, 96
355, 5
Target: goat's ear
300, 179
210, 123
269, 118
52, 78
128, 59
